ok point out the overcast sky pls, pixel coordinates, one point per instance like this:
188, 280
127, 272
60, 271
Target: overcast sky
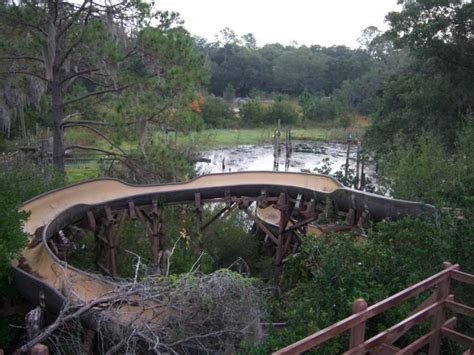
323, 22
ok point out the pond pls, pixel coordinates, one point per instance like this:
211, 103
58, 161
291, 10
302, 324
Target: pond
305, 157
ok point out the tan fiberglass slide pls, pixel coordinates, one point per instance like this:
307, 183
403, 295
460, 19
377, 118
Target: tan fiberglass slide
41, 269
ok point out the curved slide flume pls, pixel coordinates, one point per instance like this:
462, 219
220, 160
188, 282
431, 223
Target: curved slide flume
39, 268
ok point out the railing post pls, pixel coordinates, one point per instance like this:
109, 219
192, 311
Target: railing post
358, 331
442, 292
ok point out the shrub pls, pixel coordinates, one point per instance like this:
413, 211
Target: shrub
330, 272
17, 186
422, 171
216, 112
254, 113
283, 111
321, 109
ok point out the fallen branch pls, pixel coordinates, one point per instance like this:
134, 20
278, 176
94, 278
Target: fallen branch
62, 319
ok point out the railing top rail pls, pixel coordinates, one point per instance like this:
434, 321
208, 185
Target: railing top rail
357, 318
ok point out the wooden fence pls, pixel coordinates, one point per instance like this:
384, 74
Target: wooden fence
435, 306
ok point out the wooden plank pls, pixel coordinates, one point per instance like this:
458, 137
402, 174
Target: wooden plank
425, 339
460, 308
401, 327
216, 216
463, 277
222, 217
302, 223
456, 336
385, 349
345, 324
261, 226
419, 343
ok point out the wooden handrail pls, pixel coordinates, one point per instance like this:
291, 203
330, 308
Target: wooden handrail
403, 326
351, 321
463, 277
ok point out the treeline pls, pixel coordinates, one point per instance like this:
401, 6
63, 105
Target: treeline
238, 66
413, 79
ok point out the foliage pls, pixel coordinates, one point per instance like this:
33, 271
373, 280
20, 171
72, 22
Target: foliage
18, 185
93, 52
11, 223
282, 111
239, 62
161, 163
217, 113
254, 113
318, 109
432, 90
422, 171
332, 271
425, 171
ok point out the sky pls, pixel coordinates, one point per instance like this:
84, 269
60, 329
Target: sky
323, 22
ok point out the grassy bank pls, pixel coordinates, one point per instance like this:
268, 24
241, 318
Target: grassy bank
230, 137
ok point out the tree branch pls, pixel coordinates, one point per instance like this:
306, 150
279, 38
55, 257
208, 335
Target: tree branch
99, 133
25, 73
166, 106
81, 147
73, 18
62, 319
88, 122
22, 57
81, 36
87, 71
96, 93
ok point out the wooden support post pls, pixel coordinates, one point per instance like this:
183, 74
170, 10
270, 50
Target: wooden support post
346, 168
109, 232
261, 226
358, 331
356, 182
442, 292
131, 210
227, 198
351, 217
198, 210
156, 227
362, 173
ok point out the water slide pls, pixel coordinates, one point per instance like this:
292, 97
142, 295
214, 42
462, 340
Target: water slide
39, 269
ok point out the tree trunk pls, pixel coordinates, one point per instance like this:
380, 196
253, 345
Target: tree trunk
57, 115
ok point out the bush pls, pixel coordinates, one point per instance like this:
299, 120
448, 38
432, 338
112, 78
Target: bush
217, 113
321, 109
283, 111
254, 113
422, 171
17, 186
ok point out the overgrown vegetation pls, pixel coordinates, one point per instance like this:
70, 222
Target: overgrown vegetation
17, 186
109, 80
330, 272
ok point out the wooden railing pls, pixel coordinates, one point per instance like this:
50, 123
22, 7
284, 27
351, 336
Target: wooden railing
435, 306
